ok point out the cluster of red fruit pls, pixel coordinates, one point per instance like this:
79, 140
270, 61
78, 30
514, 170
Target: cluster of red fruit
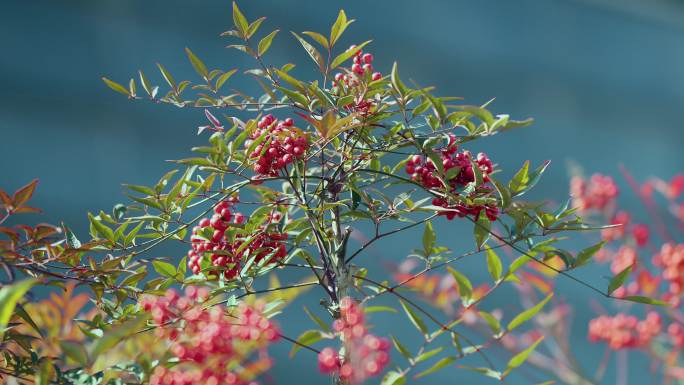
209, 238
363, 65
211, 342
625, 331
597, 193
638, 232
365, 355
282, 145
362, 68
625, 257
424, 171
671, 260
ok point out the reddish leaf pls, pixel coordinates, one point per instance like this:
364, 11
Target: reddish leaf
27, 209
11, 233
22, 195
6, 200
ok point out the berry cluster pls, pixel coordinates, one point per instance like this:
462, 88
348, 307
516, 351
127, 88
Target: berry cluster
671, 260
676, 334
626, 256
365, 355
209, 238
424, 171
282, 145
595, 194
361, 69
212, 343
625, 331
640, 233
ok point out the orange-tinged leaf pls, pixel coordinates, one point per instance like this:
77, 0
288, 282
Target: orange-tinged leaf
22, 195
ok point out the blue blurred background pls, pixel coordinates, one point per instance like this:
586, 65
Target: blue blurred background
604, 81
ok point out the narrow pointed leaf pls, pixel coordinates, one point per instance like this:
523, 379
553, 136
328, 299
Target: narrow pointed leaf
494, 264
265, 43
414, 318
521, 357
116, 86
441, 364
197, 64
528, 314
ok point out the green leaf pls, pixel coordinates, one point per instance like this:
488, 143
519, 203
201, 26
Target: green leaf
521, 357
338, 27
503, 191
116, 86
346, 55
101, 229
71, 240
429, 238
528, 314
585, 255
492, 322
619, 279
289, 79
317, 320
517, 264
223, 78
415, 319
401, 348
465, 288
494, 264
307, 338
536, 175
145, 83
428, 354
265, 43
167, 76
646, 300
396, 82
441, 364
484, 371
482, 229
240, 21
523, 181
520, 180
393, 378
320, 39
75, 351
477, 172
164, 268
115, 335
9, 296
254, 27
197, 64
132, 88
21, 312
312, 51
377, 309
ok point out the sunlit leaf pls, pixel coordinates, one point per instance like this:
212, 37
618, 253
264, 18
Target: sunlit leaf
521, 357
528, 314
441, 364
414, 318
307, 338
9, 296
619, 279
